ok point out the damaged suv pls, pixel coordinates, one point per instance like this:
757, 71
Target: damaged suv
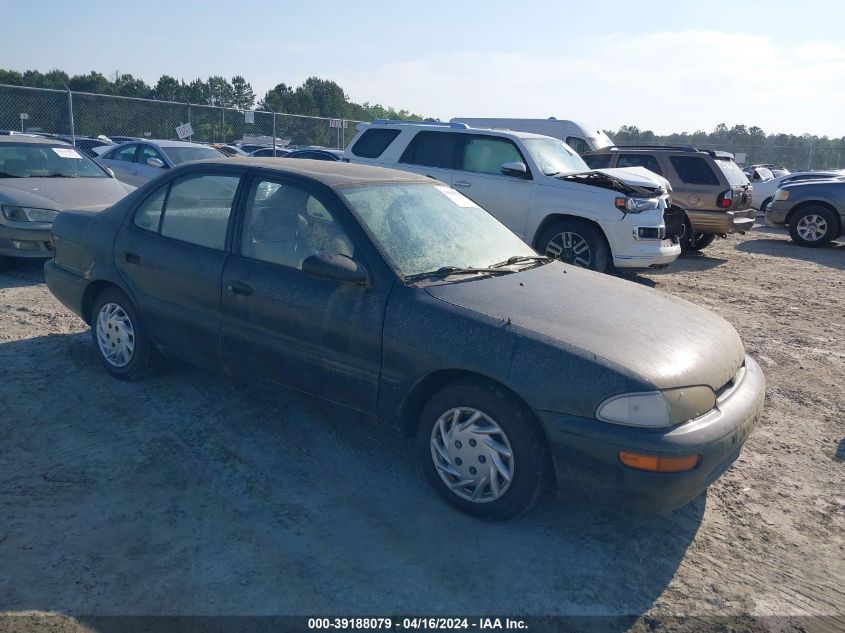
537, 186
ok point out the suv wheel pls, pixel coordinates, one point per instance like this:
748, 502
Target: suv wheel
813, 226
698, 241
119, 340
481, 450
576, 242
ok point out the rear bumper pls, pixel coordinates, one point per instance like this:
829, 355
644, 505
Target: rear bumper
719, 222
25, 241
67, 287
586, 451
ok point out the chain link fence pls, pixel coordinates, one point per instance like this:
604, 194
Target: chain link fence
84, 114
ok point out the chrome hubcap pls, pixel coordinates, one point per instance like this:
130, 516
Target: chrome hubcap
812, 227
115, 335
472, 454
571, 248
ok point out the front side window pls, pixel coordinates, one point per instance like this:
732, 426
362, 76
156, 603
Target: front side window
487, 154
148, 152
424, 227
693, 170
198, 207
126, 153
640, 160
578, 144
433, 149
284, 224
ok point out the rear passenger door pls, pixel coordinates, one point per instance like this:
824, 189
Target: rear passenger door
480, 178
433, 154
171, 253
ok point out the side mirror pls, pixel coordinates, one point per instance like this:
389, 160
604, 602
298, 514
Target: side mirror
155, 162
336, 267
110, 172
519, 170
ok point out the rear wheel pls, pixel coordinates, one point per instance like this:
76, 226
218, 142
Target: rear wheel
482, 450
576, 242
813, 226
119, 340
694, 241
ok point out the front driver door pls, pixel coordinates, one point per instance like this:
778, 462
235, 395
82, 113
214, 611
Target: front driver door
318, 336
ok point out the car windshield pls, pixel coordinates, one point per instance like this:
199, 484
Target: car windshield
732, 171
179, 155
425, 227
554, 157
46, 161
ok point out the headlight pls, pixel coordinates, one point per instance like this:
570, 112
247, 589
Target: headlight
655, 409
781, 194
636, 205
28, 214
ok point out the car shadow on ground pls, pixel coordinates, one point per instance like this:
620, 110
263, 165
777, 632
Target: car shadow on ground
189, 492
831, 255
21, 272
689, 261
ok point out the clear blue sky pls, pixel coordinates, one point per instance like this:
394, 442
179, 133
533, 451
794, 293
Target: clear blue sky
665, 66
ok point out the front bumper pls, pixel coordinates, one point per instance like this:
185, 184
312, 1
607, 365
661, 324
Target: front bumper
19, 240
721, 222
647, 253
776, 212
586, 451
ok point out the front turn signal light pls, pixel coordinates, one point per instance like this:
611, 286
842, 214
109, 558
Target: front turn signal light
657, 463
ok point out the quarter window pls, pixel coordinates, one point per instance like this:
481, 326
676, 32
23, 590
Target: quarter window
373, 142
693, 170
284, 224
639, 160
487, 154
432, 149
198, 208
148, 214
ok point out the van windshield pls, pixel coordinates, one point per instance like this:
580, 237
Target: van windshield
554, 157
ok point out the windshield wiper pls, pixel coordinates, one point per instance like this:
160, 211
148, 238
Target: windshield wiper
521, 258
445, 271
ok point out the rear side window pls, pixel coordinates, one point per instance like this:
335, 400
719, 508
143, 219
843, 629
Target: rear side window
732, 171
639, 160
487, 154
578, 144
433, 149
597, 161
373, 142
693, 170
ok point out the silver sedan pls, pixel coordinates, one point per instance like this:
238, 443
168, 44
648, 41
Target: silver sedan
136, 162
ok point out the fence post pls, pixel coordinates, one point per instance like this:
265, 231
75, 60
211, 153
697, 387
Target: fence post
223, 124
70, 111
191, 137
274, 132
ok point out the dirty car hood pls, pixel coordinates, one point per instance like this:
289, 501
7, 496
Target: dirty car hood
92, 194
666, 341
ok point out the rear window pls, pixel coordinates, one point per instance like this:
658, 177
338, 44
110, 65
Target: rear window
732, 171
597, 161
433, 149
693, 170
373, 142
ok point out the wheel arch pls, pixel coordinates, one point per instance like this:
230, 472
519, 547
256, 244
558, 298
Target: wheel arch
815, 203
553, 218
94, 290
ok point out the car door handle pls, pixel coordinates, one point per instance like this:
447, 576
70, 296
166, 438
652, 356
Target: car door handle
238, 288
132, 258
462, 183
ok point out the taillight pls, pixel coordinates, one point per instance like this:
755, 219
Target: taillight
725, 199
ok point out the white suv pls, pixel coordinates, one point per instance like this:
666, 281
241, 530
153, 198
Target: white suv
537, 186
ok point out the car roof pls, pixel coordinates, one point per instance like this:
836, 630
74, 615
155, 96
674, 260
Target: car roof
332, 174
458, 128
168, 143
35, 140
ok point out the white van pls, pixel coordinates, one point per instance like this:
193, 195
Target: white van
535, 185
579, 136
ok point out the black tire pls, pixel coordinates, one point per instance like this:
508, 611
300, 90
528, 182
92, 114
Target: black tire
765, 204
141, 360
825, 224
530, 461
563, 240
693, 241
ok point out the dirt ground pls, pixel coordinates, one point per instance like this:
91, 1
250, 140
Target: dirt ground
188, 493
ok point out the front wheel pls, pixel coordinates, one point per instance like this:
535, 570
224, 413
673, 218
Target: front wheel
119, 341
576, 242
813, 226
482, 450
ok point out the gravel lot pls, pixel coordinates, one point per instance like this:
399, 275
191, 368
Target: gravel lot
189, 493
